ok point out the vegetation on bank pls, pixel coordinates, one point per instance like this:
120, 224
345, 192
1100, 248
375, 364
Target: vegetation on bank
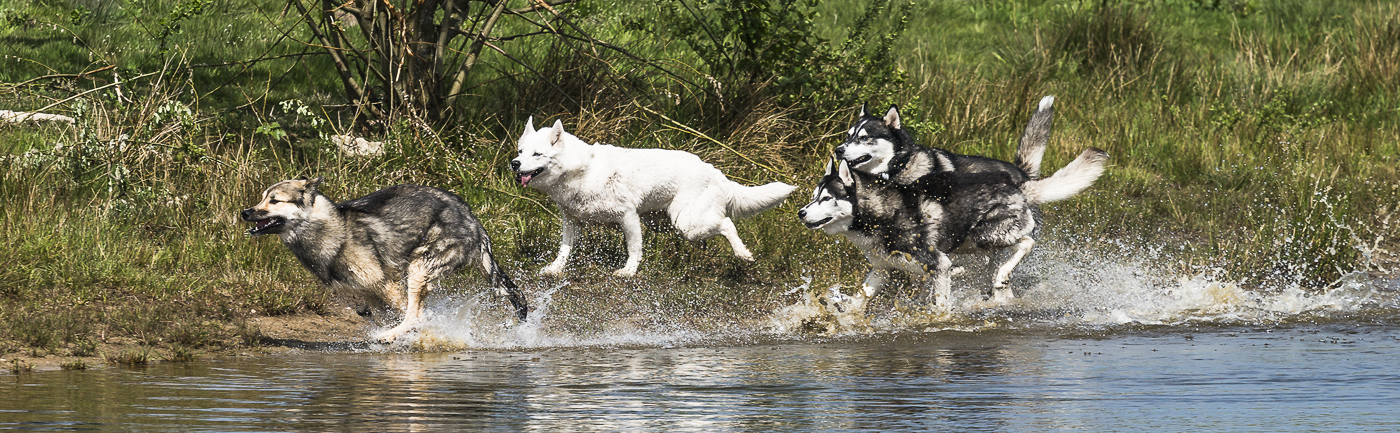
1255, 140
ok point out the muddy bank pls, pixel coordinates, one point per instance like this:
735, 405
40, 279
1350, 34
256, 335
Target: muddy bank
338, 329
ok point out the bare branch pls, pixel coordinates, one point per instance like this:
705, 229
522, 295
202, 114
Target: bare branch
56, 76
474, 53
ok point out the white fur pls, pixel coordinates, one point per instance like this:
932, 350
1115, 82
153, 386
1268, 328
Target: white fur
1075, 177
609, 184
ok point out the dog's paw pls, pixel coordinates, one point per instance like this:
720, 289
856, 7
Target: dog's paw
843, 303
941, 302
957, 270
552, 270
1002, 295
626, 272
744, 255
386, 336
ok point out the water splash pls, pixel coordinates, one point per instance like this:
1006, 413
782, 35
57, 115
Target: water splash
1057, 291
481, 322
1060, 290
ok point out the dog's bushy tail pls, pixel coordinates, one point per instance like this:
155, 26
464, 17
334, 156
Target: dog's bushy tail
1036, 137
506, 286
1067, 182
745, 201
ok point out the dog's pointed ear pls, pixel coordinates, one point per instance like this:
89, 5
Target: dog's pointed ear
556, 135
313, 183
830, 166
529, 126
843, 172
892, 117
862, 110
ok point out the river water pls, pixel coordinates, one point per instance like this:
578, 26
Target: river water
1096, 347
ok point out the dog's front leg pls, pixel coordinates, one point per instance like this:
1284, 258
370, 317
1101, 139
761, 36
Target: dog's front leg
874, 281
942, 280
632, 232
415, 287
568, 234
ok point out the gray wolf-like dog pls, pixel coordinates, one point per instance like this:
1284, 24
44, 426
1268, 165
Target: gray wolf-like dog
609, 184
386, 248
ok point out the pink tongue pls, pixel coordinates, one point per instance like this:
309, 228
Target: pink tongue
525, 178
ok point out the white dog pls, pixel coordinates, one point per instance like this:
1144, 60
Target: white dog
604, 183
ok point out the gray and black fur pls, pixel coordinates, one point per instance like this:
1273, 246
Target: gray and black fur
881, 145
912, 205
915, 229
386, 248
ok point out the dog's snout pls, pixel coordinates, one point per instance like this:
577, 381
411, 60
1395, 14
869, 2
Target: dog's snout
246, 214
801, 213
515, 164
841, 151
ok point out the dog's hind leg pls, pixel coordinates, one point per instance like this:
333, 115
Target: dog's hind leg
1000, 292
632, 232
726, 228
568, 234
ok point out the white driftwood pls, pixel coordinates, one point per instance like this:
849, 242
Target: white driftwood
7, 116
357, 146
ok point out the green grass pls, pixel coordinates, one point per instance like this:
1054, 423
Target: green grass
1259, 139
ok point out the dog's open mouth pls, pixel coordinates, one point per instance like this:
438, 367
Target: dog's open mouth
525, 177
861, 160
262, 226
817, 224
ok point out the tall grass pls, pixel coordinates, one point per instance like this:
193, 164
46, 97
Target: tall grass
1260, 140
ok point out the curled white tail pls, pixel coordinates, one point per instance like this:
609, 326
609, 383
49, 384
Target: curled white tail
1067, 182
745, 201
1034, 140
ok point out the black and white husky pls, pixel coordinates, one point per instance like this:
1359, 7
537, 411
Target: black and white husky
905, 180
914, 229
880, 145
386, 248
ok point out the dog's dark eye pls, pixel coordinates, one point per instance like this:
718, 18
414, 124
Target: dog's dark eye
273, 201
538, 154
824, 199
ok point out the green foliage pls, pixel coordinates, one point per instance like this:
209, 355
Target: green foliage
173, 22
271, 130
756, 48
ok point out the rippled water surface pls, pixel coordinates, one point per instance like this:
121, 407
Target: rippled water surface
1087, 348
1337, 377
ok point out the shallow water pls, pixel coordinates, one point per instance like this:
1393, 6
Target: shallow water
1339, 377
1092, 345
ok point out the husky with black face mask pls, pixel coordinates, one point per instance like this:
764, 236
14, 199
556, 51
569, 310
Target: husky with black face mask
915, 229
880, 145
